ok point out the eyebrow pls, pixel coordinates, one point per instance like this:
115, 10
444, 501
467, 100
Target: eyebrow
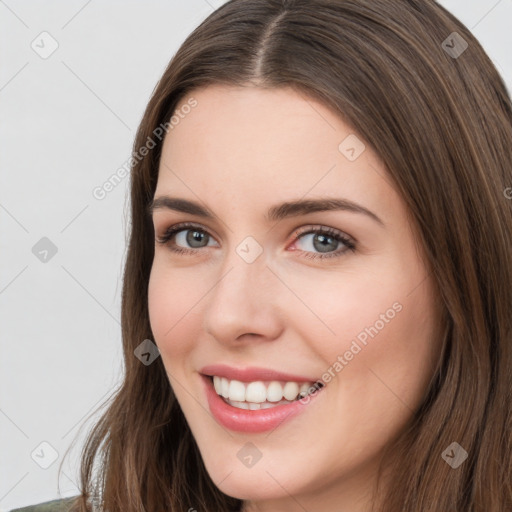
275, 213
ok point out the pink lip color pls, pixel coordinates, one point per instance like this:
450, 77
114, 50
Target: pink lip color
251, 374
243, 420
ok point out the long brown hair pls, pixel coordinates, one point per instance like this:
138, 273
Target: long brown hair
439, 116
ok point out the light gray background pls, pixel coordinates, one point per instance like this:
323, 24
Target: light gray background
67, 124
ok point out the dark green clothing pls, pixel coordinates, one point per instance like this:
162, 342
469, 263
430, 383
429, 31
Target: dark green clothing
61, 505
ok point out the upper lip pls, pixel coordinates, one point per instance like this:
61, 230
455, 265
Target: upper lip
252, 373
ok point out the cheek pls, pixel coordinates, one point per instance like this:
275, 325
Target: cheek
174, 297
339, 306
374, 317
387, 340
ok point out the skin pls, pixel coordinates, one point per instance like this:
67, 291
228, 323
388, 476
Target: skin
238, 152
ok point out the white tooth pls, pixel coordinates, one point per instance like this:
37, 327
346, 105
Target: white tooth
237, 391
224, 387
256, 392
217, 384
239, 405
291, 390
254, 407
274, 391
304, 388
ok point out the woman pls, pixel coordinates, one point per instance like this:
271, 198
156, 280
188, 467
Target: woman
266, 370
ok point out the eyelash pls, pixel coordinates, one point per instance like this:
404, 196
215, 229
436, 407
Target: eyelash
337, 235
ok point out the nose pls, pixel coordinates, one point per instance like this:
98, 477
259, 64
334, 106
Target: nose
245, 303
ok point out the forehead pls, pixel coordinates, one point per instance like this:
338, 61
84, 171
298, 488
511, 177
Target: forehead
255, 124
241, 143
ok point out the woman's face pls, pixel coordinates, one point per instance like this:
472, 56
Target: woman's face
276, 290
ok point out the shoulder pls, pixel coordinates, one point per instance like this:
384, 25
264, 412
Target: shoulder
61, 505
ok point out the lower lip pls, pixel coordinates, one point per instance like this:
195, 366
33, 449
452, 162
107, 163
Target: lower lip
243, 420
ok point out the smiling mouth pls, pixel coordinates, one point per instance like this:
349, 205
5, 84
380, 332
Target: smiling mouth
259, 395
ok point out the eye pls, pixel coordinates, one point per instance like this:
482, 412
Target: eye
185, 233
324, 240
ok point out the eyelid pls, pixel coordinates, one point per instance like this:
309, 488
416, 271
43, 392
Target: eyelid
183, 226
312, 228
